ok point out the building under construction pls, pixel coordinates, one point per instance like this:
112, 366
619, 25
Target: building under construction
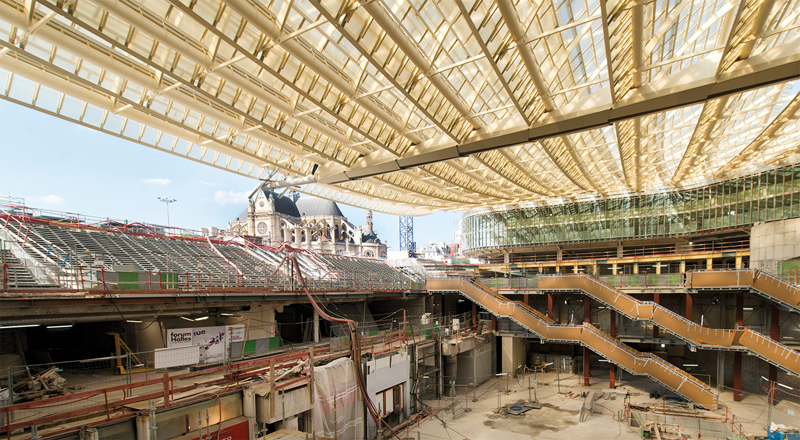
628, 257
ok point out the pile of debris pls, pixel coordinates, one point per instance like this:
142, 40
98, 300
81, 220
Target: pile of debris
45, 384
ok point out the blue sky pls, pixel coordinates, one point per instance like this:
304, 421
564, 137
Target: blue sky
57, 165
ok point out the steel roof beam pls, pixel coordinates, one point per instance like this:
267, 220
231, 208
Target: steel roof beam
750, 20
491, 59
382, 69
392, 29
789, 114
80, 46
292, 112
266, 23
691, 87
511, 19
505, 168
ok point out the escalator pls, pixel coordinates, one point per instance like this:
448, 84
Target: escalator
586, 334
695, 334
761, 283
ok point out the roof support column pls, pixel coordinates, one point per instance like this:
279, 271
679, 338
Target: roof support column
587, 317
737, 357
657, 300
689, 307
612, 367
775, 334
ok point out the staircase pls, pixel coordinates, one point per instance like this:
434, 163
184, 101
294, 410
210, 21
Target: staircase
586, 334
695, 334
18, 275
763, 284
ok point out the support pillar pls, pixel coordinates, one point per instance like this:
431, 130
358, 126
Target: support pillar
575, 269
636, 268
738, 261
494, 323
587, 309
474, 315
657, 300
316, 325
709, 263
586, 353
775, 334
525, 299
612, 368
737, 357
614, 269
550, 305
720, 371
683, 266
737, 376
658, 268
587, 316
688, 307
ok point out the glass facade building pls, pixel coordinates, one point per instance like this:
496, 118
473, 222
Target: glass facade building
770, 195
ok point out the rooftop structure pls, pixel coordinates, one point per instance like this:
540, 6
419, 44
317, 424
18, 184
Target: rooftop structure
412, 108
629, 173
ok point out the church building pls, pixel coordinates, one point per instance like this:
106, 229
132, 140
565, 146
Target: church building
308, 223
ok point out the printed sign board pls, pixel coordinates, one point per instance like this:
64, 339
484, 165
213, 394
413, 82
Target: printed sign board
214, 342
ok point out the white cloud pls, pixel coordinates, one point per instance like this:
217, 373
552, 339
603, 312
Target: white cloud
52, 198
226, 197
157, 181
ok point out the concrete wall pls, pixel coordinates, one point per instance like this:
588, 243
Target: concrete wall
774, 242
384, 373
513, 354
475, 366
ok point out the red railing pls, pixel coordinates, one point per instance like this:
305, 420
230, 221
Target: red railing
631, 252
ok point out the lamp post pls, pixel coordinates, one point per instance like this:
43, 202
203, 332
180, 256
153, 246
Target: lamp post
167, 201
499, 380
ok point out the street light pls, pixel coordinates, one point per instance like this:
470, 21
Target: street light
499, 406
167, 201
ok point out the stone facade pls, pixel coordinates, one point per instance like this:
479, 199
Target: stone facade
308, 223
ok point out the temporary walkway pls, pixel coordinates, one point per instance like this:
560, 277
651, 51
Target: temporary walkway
761, 283
586, 334
695, 334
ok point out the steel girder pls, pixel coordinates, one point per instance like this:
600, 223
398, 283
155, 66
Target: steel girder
413, 107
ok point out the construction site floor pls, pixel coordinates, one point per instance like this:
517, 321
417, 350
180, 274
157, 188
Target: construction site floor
559, 416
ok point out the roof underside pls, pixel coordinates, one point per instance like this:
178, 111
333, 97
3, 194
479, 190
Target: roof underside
420, 106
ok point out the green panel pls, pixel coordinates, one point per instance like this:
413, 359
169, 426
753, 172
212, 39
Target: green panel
169, 280
674, 279
128, 280
249, 348
612, 280
275, 343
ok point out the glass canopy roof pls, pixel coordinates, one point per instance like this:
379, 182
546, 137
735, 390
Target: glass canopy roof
410, 107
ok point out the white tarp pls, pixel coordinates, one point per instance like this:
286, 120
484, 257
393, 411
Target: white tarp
337, 382
214, 342
178, 356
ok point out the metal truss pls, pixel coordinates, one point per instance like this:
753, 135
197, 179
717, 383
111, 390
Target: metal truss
415, 107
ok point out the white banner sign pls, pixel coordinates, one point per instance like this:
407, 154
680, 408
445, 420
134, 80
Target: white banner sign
214, 342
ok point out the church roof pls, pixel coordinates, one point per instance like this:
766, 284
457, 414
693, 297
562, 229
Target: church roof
283, 205
310, 206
